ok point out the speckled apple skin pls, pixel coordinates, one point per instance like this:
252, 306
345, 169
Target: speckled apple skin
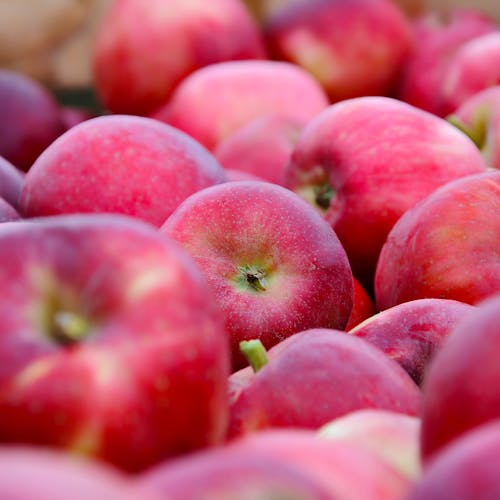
258, 223
148, 380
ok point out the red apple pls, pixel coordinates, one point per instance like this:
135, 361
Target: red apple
274, 265
363, 307
29, 119
460, 389
7, 212
28, 473
144, 50
122, 164
467, 469
353, 48
215, 101
391, 435
445, 247
263, 147
411, 332
363, 162
109, 344
11, 182
314, 377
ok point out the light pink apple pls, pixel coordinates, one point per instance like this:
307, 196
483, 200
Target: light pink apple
143, 50
363, 306
312, 378
11, 182
110, 345
122, 164
445, 247
363, 162
213, 102
239, 175
412, 332
274, 265
352, 48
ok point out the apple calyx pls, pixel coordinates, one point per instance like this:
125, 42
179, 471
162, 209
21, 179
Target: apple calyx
68, 328
252, 277
476, 132
323, 195
255, 353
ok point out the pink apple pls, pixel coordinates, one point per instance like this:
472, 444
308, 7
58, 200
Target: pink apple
263, 147
479, 118
314, 377
391, 435
353, 48
460, 389
274, 265
467, 469
445, 247
363, 306
110, 346
215, 101
7, 212
29, 119
438, 37
411, 332
121, 164
238, 175
28, 473
144, 50
11, 182
363, 162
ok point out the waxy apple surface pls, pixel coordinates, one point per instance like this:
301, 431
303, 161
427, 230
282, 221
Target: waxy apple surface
109, 343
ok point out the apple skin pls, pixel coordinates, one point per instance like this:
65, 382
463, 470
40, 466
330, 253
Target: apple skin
121, 164
363, 306
30, 119
7, 212
135, 64
467, 468
410, 333
297, 387
11, 182
274, 265
238, 175
439, 37
213, 102
445, 247
459, 391
377, 157
110, 346
353, 48
479, 117
392, 436
263, 147
29, 473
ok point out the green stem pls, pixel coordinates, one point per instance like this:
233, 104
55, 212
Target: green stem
255, 353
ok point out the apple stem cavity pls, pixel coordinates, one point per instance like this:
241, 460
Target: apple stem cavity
323, 196
255, 353
252, 277
68, 327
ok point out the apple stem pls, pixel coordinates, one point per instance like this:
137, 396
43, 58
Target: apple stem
254, 277
255, 353
323, 196
68, 327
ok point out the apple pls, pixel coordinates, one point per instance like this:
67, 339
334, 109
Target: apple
460, 389
29, 473
73, 115
465, 469
263, 147
143, 50
213, 102
239, 175
110, 346
122, 164
391, 435
274, 265
474, 67
11, 182
363, 162
7, 212
312, 378
29, 121
410, 333
352, 48
292, 464
445, 247
363, 306
439, 35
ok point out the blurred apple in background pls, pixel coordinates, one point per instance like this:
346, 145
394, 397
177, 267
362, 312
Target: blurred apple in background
353, 48
72, 115
447, 246
362, 308
122, 164
29, 119
363, 162
110, 346
143, 50
11, 182
274, 265
215, 101
7, 212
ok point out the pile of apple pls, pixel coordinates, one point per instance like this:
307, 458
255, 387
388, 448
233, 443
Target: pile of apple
269, 269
